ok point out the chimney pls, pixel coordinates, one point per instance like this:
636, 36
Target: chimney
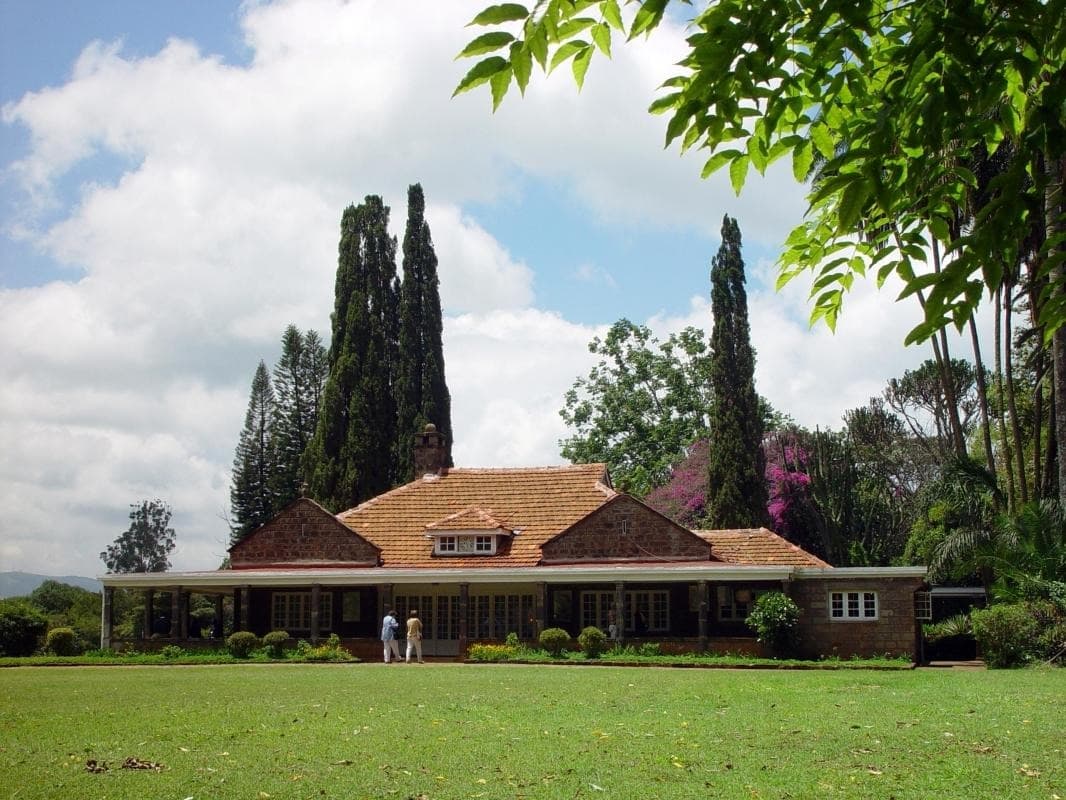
430, 454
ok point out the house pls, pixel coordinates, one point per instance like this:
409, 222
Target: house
482, 553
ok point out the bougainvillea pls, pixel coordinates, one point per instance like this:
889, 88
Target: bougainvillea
684, 496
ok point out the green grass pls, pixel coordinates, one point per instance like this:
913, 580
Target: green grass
471, 731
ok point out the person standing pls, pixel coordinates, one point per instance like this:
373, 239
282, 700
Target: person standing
414, 637
389, 627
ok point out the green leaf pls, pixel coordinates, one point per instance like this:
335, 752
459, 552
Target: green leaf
648, 17
717, 161
505, 12
538, 46
581, 65
851, 203
480, 73
521, 64
613, 15
499, 83
601, 35
486, 43
822, 140
802, 158
738, 171
568, 50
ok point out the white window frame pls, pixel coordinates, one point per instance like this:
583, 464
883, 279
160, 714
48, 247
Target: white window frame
854, 605
465, 544
923, 606
294, 615
597, 603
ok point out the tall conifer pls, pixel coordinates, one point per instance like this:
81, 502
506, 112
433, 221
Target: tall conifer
421, 391
350, 457
736, 491
298, 379
251, 498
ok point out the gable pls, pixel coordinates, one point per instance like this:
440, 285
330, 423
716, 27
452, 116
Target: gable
624, 529
304, 534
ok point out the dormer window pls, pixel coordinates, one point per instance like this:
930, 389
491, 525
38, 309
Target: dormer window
471, 532
463, 545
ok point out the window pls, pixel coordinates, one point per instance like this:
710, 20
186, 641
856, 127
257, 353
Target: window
852, 606
291, 611
496, 615
465, 545
734, 605
653, 605
923, 606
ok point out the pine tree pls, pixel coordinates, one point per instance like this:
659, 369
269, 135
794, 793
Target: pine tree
736, 490
350, 457
251, 498
421, 391
298, 378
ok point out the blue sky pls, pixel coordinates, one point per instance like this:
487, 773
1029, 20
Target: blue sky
172, 177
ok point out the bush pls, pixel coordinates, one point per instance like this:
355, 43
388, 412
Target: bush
330, 650
172, 652
1006, 634
649, 649
242, 643
274, 642
512, 640
62, 642
593, 641
21, 627
554, 640
775, 620
491, 652
959, 625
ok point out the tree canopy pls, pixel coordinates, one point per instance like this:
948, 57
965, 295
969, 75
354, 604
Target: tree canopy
641, 406
146, 545
932, 124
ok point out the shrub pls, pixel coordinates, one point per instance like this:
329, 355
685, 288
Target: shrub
775, 620
21, 627
330, 650
649, 649
593, 641
512, 640
491, 652
554, 640
62, 642
274, 642
959, 625
242, 643
1006, 634
172, 652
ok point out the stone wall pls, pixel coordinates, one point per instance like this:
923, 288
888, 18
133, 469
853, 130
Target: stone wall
625, 529
894, 632
303, 533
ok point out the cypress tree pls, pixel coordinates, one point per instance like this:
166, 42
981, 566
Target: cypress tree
350, 457
298, 379
736, 490
421, 391
251, 496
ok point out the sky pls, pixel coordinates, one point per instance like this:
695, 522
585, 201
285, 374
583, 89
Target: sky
172, 178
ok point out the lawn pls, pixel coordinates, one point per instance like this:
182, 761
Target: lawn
465, 731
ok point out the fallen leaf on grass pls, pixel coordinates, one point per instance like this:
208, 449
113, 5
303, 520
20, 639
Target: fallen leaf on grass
140, 763
344, 762
92, 765
1028, 772
873, 771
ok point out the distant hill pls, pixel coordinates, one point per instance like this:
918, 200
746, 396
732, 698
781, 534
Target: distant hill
17, 584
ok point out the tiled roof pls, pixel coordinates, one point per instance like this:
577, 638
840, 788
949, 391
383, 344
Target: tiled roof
535, 503
758, 546
469, 519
